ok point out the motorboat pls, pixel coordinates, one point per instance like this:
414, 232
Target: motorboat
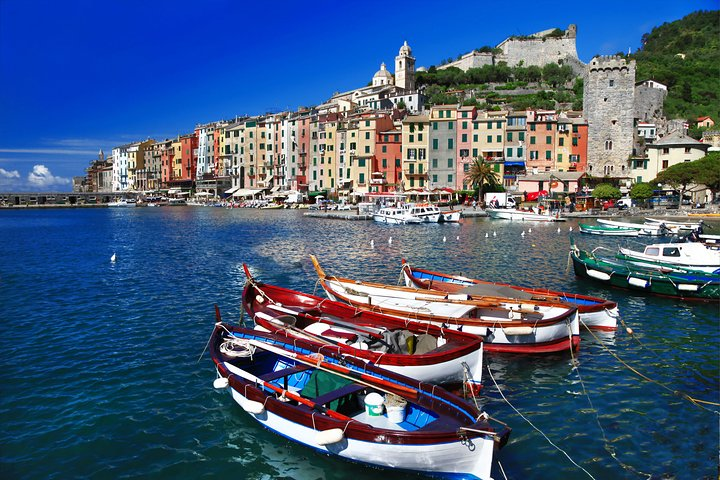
686, 256
608, 230
425, 212
659, 229
395, 216
534, 215
122, 203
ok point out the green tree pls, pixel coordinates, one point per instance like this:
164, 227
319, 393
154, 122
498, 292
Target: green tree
605, 191
480, 174
708, 172
641, 192
679, 176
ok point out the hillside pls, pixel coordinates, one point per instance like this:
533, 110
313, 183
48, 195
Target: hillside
685, 56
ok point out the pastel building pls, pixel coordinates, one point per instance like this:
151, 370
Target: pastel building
442, 168
415, 147
515, 147
387, 165
465, 116
542, 125
670, 150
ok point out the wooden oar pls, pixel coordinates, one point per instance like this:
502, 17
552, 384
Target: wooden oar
299, 331
285, 393
339, 370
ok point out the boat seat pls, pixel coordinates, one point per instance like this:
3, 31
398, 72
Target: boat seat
285, 372
339, 393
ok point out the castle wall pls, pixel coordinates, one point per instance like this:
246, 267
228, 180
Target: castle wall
539, 51
471, 60
649, 103
609, 106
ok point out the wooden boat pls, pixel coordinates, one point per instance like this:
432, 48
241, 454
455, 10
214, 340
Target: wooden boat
528, 326
522, 215
608, 230
619, 273
418, 350
334, 406
395, 216
685, 256
595, 313
642, 228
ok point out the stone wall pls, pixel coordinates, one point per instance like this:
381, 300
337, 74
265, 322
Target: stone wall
649, 103
609, 106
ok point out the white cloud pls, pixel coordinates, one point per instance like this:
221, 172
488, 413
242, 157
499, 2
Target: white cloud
42, 177
9, 174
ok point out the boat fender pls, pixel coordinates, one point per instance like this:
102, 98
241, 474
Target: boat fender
687, 287
458, 296
637, 282
529, 306
251, 406
518, 330
513, 315
597, 274
221, 383
328, 437
259, 299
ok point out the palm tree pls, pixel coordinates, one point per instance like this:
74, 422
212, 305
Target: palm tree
480, 174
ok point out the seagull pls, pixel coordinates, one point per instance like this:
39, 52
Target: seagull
372, 243
487, 235
444, 239
113, 258
457, 238
494, 233
529, 230
523, 233
571, 229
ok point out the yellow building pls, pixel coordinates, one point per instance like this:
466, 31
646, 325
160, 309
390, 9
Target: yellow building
415, 146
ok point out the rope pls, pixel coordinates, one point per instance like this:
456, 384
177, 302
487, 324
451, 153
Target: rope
606, 443
697, 402
534, 427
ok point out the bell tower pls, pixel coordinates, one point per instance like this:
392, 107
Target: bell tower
405, 69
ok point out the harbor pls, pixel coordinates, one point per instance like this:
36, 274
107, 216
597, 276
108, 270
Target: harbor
130, 334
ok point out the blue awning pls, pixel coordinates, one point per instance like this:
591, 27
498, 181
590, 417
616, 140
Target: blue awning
514, 164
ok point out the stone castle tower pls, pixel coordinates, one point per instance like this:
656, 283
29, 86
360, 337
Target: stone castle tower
609, 106
405, 69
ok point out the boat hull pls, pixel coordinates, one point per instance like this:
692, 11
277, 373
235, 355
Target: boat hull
623, 275
519, 215
608, 230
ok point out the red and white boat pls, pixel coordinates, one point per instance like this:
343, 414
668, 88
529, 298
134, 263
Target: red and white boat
336, 406
418, 350
595, 312
528, 326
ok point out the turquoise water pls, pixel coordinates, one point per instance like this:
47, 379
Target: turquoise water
102, 376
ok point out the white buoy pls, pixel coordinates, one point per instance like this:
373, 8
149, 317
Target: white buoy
529, 230
113, 258
494, 233
372, 243
558, 229
457, 238
390, 240
487, 235
523, 233
444, 239
571, 229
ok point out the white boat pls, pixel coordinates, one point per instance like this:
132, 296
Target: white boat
334, 405
534, 215
679, 225
450, 216
659, 229
122, 203
395, 216
426, 213
506, 325
687, 256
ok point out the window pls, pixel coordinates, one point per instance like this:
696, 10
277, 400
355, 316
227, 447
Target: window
665, 151
533, 155
441, 113
548, 154
464, 124
521, 136
384, 162
412, 138
361, 179
562, 141
464, 138
532, 140
575, 142
475, 152
367, 135
435, 144
361, 162
450, 163
608, 145
475, 137
435, 125
575, 129
489, 125
665, 164
489, 139
498, 138
559, 158
548, 140
520, 152
384, 149
420, 137
450, 179
435, 178
367, 149
532, 127
434, 163
612, 83
687, 149
450, 125
450, 143
548, 126
509, 136
508, 152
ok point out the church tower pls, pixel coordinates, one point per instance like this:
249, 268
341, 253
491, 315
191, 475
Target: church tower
405, 69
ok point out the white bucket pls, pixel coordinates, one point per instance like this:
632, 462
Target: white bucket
374, 404
395, 407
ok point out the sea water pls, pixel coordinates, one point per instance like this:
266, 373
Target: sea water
103, 374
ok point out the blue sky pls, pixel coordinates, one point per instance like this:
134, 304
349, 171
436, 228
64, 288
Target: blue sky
85, 75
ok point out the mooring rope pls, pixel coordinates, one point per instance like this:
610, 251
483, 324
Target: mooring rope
533, 425
697, 402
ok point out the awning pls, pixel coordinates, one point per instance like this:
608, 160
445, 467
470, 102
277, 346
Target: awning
232, 190
246, 192
514, 164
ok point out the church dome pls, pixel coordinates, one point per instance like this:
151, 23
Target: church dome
382, 77
405, 49
382, 73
